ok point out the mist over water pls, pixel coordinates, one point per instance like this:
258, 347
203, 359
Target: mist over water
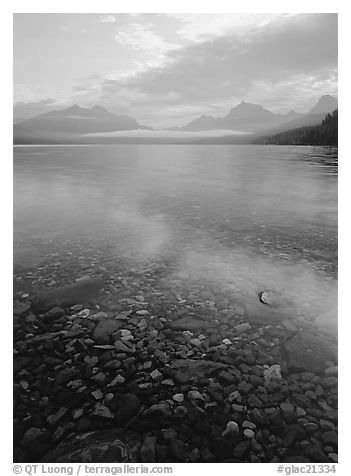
241, 219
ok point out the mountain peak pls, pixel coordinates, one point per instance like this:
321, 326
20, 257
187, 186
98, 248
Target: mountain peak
325, 104
73, 108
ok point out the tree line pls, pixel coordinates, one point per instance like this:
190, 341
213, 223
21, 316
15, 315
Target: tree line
325, 133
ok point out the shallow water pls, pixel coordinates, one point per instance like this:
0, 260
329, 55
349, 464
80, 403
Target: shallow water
170, 223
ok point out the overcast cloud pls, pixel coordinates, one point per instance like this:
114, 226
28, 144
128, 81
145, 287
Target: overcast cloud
167, 69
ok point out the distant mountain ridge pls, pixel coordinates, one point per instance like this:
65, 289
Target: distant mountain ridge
249, 117
244, 123
72, 121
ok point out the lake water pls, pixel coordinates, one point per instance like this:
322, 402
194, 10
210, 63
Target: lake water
172, 224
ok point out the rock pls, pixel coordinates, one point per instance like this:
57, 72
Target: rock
121, 347
180, 411
118, 380
178, 397
168, 382
293, 434
241, 328
179, 449
238, 408
99, 378
231, 431
21, 308
195, 342
84, 313
189, 323
54, 313
184, 369
315, 454
241, 450
272, 374
331, 371
254, 402
195, 395
107, 446
327, 425
330, 437
100, 410
244, 387
248, 433
53, 419
77, 413
329, 382
248, 424
234, 397
128, 406
148, 450
288, 409
271, 298
195, 455
169, 433
104, 330
85, 290
156, 375
309, 352
333, 457
159, 409
142, 312
227, 342
31, 435
31, 318
226, 377
66, 375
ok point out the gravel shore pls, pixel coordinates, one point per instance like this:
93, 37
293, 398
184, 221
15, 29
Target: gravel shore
113, 381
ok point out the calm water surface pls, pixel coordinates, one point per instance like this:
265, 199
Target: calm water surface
199, 222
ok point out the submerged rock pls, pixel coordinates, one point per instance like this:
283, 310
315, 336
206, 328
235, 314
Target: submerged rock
104, 330
189, 323
187, 368
309, 352
108, 446
83, 291
272, 374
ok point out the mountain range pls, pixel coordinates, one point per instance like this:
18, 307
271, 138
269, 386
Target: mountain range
82, 125
73, 121
248, 117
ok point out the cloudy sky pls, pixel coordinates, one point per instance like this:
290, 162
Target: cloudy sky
167, 69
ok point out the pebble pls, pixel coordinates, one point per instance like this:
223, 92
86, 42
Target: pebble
179, 449
121, 347
178, 397
84, 313
100, 410
148, 450
195, 395
248, 424
169, 433
117, 381
248, 433
97, 394
99, 378
156, 375
227, 342
241, 328
331, 371
142, 312
232, 430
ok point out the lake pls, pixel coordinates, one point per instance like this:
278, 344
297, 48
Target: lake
177, 224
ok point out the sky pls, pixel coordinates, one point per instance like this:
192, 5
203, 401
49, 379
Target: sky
167, 69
